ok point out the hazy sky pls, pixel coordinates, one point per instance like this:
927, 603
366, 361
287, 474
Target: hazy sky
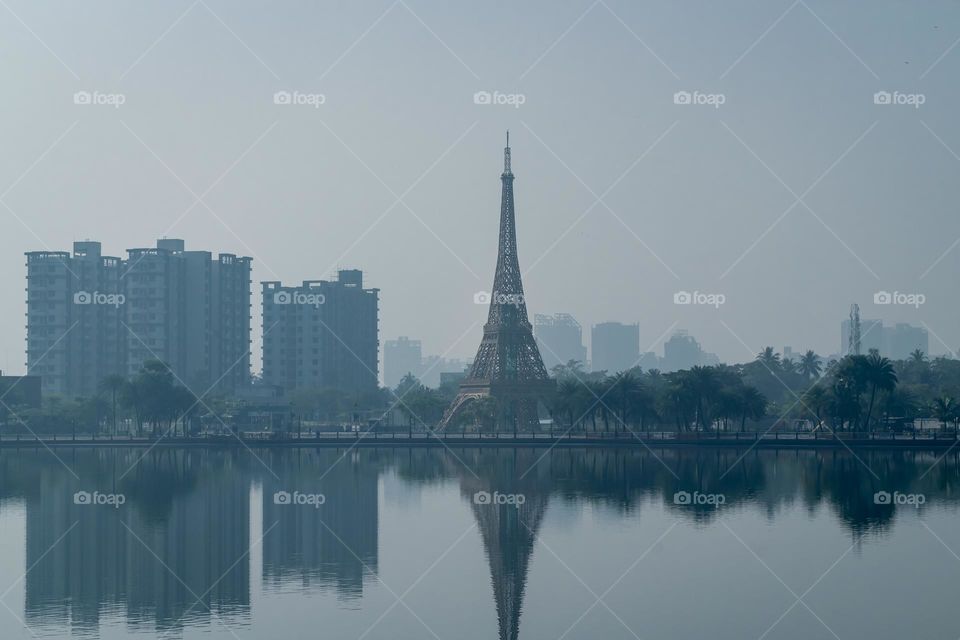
397, 171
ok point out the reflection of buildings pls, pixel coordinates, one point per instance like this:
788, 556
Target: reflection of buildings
334, 544
197, 548
192, 510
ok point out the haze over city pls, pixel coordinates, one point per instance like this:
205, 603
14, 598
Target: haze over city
473, 320
624, 197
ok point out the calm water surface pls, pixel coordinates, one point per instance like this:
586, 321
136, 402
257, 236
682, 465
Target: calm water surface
412, 543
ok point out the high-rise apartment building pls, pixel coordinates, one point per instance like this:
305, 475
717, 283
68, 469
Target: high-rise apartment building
90, 316
74, 326
321, 334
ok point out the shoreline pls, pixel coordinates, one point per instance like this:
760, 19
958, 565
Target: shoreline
780, 441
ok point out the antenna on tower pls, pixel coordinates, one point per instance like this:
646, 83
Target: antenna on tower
853, 346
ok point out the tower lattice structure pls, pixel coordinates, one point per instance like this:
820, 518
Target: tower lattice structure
508, 366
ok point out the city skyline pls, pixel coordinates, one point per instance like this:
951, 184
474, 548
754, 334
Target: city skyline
289, 347
310, 186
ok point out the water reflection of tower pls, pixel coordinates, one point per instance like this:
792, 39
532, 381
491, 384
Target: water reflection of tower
508, 500
333, 544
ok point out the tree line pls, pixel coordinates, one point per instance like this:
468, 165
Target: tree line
854, 393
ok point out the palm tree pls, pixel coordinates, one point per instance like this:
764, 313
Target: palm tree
879, 374
113, 384
572, 369
816, 399
809, 366
703, 385
944, 410
918, 356
769, 358
567, 400
625, 387
752, 403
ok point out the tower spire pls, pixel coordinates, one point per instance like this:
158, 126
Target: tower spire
506, 156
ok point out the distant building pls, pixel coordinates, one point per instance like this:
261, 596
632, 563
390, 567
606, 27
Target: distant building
452, 377
321, 334
400, 357
614, 346
90, 316
435, 368
896, 342
708, 359
560, 339
649, 360
681, 351
903, 339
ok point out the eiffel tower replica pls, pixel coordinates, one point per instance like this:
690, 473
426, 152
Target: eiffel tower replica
508, 366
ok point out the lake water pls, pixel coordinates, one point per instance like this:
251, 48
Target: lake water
471, 543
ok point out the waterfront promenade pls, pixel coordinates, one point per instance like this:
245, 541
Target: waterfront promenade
256, 439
